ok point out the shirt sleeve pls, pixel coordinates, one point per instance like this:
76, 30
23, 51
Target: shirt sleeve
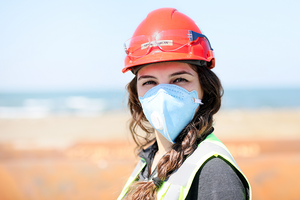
216, 180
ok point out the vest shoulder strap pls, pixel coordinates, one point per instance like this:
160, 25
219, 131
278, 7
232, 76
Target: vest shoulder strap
179, 183
141, 164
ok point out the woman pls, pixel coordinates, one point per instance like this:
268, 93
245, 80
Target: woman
173, 98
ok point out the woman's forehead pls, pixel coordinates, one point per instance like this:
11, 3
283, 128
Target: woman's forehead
163, 68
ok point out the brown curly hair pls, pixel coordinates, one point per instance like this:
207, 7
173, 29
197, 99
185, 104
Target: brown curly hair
188, 139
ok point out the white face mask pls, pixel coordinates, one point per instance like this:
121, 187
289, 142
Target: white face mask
169, 108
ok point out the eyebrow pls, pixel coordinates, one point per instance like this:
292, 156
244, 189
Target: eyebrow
180, 73
146, 76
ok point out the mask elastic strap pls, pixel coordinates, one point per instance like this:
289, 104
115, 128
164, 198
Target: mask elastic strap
198, 101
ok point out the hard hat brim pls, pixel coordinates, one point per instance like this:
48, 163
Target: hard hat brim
155, 57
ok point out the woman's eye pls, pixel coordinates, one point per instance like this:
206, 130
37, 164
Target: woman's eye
177, 80
149, 83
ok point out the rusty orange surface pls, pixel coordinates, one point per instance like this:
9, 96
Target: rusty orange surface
99, 170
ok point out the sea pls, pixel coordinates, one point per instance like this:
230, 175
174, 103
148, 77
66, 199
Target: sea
98, 102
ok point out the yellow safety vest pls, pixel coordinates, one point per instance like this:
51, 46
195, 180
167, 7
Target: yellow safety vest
178, 184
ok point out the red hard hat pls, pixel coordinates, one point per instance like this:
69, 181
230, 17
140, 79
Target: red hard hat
144, 48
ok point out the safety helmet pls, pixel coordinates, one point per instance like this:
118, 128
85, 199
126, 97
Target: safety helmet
167, 35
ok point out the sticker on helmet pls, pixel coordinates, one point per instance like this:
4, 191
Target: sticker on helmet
155, 43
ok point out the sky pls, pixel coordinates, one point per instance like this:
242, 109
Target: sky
78, 44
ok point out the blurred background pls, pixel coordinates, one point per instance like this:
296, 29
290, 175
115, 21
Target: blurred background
63, 115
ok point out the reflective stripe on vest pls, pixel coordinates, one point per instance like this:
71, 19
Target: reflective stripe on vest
178, 184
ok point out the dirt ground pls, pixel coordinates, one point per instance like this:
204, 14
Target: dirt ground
42, 168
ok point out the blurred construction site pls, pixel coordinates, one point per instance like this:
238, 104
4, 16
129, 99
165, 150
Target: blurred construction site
91, 157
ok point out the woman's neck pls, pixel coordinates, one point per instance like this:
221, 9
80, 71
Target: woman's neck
163, 144
163, 147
